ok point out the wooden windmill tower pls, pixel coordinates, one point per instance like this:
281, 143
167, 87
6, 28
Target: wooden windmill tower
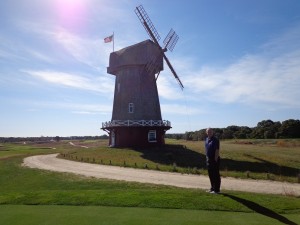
136, 118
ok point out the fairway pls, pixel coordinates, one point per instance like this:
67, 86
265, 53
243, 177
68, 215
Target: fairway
87, 215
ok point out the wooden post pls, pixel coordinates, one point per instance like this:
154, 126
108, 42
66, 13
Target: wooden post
248, 174
174, 167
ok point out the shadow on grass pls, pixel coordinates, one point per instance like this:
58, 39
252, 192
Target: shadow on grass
184, 157
261, 210
262, 166
170, 154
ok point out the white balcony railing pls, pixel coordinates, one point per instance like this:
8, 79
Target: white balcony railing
134, 123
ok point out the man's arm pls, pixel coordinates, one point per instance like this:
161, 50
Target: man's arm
217, 154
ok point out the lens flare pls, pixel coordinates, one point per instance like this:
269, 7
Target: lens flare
72, 14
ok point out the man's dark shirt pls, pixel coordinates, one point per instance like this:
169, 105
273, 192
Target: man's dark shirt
211, 145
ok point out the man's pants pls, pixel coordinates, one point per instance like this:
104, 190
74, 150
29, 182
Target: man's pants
214, 175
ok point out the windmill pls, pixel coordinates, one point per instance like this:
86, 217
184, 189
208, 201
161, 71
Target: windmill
136, 117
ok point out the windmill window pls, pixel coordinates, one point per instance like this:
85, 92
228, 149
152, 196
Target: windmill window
152, 136
131, 108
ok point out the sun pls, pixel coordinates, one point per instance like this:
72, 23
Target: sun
71, 13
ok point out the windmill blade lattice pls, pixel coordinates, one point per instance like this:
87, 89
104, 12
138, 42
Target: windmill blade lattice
171, 40
146, 22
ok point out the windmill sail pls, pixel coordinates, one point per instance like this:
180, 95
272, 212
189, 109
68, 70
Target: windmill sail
146, 22
173, 71
169, 42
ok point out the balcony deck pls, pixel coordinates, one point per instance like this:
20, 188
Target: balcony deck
136, 123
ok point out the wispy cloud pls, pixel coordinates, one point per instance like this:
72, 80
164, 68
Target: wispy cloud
268, 77
10, 50
168, 88
41, 56
90, 109
66, 46
76, 108
271, 76
100, 84
85, 50
59, 42
180, 109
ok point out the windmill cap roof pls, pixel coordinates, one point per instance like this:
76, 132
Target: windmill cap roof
135, 55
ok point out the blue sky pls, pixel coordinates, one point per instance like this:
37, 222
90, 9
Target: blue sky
239, 62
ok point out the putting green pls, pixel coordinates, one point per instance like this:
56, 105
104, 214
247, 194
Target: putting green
87, 215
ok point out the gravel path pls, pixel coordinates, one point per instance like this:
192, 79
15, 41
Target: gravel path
51, 162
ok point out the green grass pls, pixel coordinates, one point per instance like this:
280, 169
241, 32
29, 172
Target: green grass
20, 149
48, 215
37, 187
28, 196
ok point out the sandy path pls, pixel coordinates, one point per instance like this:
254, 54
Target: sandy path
50, 162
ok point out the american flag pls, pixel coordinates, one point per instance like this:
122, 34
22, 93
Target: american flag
108, 39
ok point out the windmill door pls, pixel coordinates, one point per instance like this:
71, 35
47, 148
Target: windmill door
113, 139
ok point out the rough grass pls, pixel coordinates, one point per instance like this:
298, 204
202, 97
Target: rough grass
257, 159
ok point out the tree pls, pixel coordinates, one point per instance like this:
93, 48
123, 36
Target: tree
244, 132
218, 132
227, 134
57, 138
289, 129
202, 134
188, 136
265, 129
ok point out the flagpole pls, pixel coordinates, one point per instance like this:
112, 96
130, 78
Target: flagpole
113, 41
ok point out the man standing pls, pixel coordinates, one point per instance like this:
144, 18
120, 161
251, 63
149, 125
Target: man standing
212, 150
